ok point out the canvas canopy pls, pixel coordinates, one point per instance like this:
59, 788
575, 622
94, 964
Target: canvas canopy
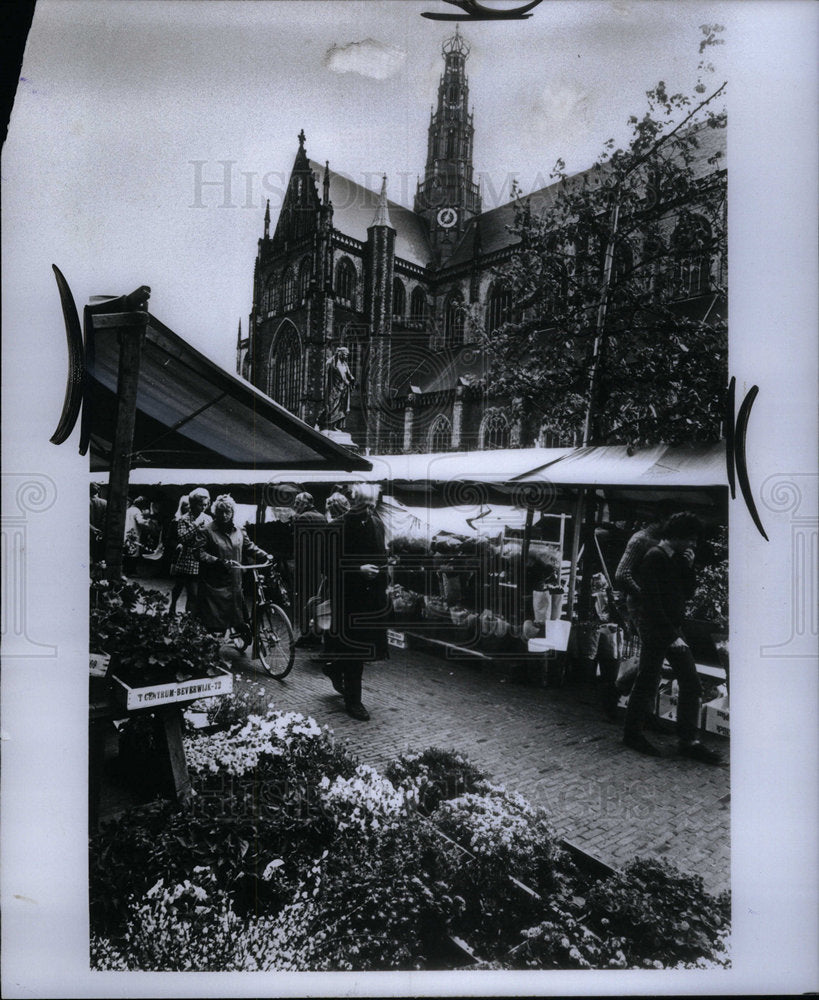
192, 414
661, 466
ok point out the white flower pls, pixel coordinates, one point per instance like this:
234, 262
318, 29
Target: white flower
267, 874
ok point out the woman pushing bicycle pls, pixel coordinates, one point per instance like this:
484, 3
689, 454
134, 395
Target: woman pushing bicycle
224, 548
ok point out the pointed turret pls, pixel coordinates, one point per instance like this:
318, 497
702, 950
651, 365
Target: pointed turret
267, 221
382, 213
326, 185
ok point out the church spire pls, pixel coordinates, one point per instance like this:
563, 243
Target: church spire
448, 197
326, 186
267, 221
382, 213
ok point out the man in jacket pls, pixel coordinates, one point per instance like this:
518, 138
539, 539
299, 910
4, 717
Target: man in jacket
666, 580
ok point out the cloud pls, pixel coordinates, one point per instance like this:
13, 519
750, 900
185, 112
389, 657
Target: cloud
367, 58
564, 103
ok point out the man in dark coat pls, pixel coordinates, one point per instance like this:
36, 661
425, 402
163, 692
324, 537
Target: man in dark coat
308, 562
665, 578
358, 594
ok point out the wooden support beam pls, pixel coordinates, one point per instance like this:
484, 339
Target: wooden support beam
131, 332
169, 735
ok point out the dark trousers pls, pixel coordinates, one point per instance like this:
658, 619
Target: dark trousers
641, 701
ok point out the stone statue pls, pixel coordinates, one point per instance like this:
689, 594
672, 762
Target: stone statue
338, 385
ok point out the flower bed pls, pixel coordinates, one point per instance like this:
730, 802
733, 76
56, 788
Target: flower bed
296, 857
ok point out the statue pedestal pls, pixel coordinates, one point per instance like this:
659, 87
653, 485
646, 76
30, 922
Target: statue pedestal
341, 437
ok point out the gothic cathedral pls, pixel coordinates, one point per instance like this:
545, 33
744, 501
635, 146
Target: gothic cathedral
347, 268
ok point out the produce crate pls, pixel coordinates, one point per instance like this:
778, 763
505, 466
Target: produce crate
716, 717
153, 695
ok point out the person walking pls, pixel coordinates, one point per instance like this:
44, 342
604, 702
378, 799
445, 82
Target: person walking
666, 580
308, 562
222, 551
358, 596
191, 518
625, 576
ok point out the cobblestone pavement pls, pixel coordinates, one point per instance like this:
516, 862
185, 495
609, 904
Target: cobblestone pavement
553, 745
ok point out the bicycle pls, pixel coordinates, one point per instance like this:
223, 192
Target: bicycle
271, 632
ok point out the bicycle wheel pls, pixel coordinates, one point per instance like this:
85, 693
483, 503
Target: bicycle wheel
275, 643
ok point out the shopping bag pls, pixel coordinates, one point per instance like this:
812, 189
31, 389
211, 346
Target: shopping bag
627, 673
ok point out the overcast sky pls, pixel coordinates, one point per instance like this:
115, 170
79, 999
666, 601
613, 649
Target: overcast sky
125, 107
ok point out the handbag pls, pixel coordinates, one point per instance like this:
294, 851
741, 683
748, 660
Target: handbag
319, 612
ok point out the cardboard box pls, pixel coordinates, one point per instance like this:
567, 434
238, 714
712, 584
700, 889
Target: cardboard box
667, 698
716, 717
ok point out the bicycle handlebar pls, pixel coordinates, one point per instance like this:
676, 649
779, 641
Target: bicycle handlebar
267, 565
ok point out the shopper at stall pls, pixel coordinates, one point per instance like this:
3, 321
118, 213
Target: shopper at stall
224, 548
308, 562
336, 504
625, 576
666, 580
135, 521
99, 508
185, 566
358, 595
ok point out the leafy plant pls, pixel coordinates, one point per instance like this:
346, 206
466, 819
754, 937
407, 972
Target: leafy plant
437, 775
710, 599
146, 647
662, 915
225, 711
504, 836
256, 801
294, 857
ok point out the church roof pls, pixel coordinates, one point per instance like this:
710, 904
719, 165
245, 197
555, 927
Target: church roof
494, 224
355, 207
441, 369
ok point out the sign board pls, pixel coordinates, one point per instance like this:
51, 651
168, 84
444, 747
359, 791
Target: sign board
98, 664
165, 694
398, 639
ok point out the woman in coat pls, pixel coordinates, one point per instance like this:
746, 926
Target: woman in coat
224, 548
358, 595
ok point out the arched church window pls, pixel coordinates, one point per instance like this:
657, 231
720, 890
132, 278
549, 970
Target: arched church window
418, 304
440, 434
494, 431
288, 290
452, 93
451, 144
399, 298
284, 368
691, 249
346, 281
499, 307
305, 270
454, 319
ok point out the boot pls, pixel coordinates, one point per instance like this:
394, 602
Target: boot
352, 691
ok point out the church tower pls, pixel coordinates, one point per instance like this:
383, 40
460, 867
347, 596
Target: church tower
448, 198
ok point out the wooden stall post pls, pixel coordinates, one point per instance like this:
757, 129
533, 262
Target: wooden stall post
169, 735
130, 326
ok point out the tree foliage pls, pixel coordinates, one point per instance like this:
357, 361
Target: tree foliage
618, 284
